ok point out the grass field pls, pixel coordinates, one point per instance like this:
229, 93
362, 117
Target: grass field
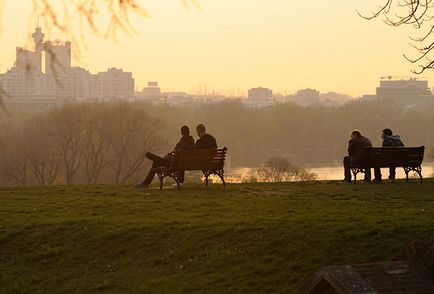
249, 238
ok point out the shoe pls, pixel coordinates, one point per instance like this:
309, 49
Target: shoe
391, 180
367, 181
344, 181
141, 186
377, 181
181, 185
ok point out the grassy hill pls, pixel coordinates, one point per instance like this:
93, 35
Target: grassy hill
249, 238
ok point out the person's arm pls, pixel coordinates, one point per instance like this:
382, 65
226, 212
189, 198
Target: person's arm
351, 148
388, 142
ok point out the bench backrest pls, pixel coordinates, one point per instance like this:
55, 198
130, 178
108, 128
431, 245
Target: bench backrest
392, 156
201, 159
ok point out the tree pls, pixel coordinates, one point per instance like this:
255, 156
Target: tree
416, 14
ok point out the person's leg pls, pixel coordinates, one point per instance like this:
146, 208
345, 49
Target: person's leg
392, 173
181, 175
347, 170
367, 174
149, 177
157, 162
377, 174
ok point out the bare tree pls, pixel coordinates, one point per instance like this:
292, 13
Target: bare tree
417, 14
133, 133
96, 145
68, 128
14, 166
40, 150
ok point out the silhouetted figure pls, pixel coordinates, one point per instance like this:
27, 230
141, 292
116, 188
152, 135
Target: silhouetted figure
205, 141
186, 142
355, 147
389, 140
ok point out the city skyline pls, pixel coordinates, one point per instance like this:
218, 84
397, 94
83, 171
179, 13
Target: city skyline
220, 47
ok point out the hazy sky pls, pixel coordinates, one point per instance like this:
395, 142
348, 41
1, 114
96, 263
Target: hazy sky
238, 44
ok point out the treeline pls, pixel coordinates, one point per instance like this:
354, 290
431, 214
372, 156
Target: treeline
309, 135
78, 144
106, 142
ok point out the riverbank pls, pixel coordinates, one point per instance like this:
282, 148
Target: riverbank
251, 238
326, 172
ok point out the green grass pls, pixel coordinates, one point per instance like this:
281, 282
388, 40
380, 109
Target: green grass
249, 238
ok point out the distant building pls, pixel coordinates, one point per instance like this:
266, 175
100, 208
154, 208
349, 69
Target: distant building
32, 104
260, 97
78, 83
176, 98
152, 91
27, 88
304, 97
57, 57
31, 60
114, 84
406, 93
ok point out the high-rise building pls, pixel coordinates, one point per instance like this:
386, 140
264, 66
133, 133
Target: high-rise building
57, 57
404, 92
113, 84
25, 84
260, 97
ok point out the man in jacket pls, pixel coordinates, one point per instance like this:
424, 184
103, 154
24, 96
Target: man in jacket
389, 140
205, 141
355, 151
186, 142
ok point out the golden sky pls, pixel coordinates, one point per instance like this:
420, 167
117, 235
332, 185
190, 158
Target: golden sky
233, 45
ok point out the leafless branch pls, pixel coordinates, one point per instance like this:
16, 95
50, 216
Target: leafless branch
413, 13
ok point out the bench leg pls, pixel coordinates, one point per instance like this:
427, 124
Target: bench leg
355, 172
177, 182
161, 178
206, 174
221, 174
407, 170
419, 172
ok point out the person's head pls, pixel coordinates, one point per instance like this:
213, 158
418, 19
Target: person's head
355, 133
185, 131
200, 129
386, 133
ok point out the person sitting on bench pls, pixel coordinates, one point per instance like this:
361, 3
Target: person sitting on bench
186, 142
389, 140
355, 148
205, 141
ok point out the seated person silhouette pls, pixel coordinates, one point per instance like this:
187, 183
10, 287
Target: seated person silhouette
389, 140
205, 141
186, 142
355, 152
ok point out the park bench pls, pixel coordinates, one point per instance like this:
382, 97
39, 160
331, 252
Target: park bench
209, 161
409, 158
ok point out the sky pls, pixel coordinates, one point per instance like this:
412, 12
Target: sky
233, 45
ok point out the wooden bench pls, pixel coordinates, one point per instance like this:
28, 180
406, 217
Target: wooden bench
209, 161
409, 158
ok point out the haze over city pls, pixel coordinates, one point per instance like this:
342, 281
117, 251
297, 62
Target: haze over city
231, 46
216, 146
